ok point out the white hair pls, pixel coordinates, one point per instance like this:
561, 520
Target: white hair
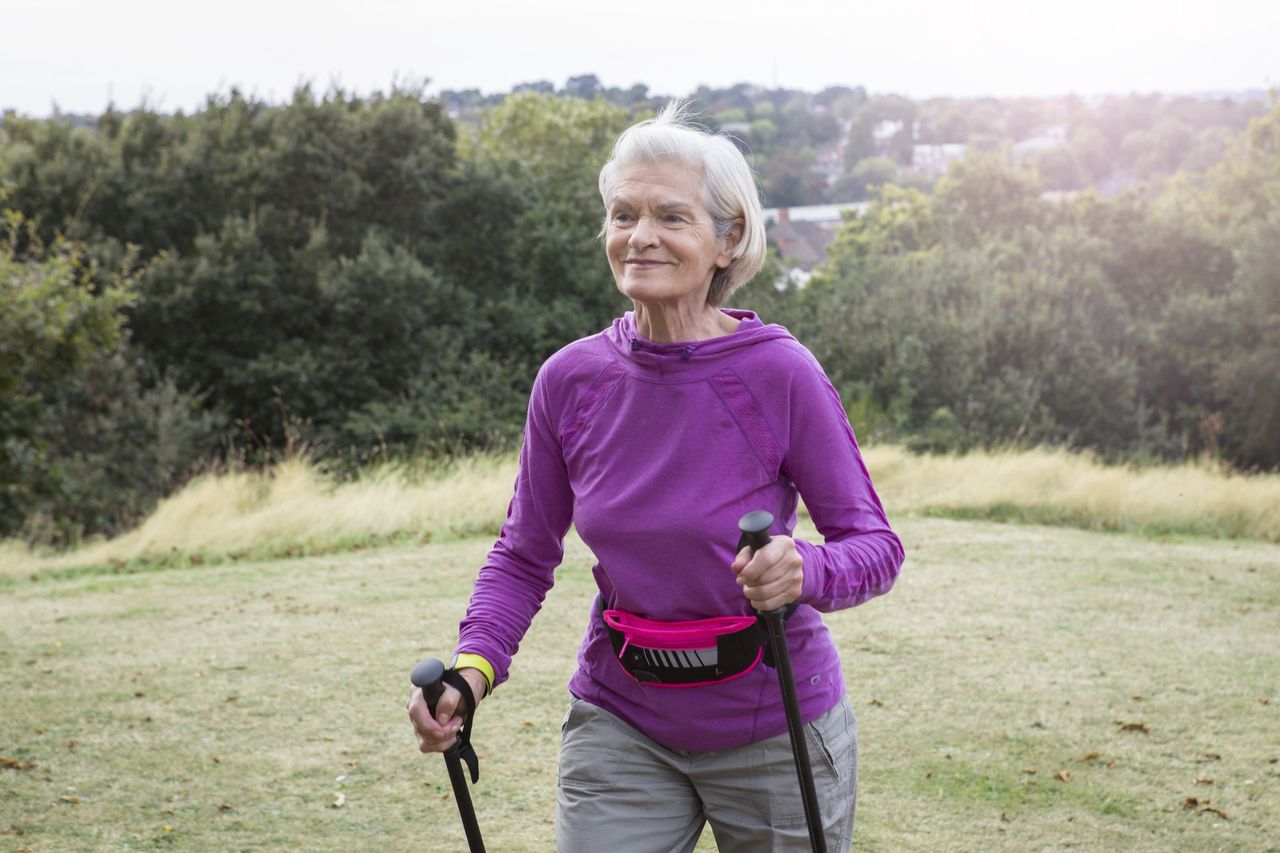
728, 188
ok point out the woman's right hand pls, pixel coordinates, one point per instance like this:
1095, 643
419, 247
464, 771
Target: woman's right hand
439, 733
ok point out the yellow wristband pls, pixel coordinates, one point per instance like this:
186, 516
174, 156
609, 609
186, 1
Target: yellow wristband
475, 662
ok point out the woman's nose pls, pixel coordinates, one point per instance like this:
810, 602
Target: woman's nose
644, 234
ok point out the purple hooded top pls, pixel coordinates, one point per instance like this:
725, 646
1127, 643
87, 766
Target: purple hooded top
654, 451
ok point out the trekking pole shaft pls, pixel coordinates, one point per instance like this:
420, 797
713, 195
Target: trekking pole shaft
755, 532
795, 728
427, 676
461, 793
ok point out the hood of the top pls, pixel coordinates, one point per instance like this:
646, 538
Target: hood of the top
643, 353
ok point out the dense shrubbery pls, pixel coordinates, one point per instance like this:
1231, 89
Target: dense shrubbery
370, 278
91, 435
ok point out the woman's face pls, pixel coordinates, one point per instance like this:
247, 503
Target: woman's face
661, 242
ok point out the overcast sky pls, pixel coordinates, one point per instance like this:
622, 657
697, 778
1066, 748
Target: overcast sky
82, 53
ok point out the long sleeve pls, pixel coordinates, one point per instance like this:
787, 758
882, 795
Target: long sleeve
861, 555
520, 568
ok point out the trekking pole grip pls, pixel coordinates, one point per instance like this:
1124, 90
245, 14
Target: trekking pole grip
429, 675
755, 529
755, 533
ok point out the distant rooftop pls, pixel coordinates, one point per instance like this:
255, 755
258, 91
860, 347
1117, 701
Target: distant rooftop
814, 212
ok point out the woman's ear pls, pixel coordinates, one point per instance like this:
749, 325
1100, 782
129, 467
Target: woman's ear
728, 243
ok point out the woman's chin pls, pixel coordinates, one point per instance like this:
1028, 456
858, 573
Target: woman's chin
658, 292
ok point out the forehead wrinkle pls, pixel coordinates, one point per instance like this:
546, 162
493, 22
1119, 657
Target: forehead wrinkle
627, 200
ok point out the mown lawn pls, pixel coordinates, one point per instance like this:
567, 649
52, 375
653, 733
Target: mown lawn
1023, 688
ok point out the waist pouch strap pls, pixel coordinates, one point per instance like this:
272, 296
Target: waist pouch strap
685, 654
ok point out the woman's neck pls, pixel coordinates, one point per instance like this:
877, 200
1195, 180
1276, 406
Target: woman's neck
666, 325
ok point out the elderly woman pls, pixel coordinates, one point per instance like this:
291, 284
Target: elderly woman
653, 438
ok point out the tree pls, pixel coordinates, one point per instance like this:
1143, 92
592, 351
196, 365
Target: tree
981, 195
586, 86
88, 442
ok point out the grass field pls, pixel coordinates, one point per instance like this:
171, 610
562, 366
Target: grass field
1023, 688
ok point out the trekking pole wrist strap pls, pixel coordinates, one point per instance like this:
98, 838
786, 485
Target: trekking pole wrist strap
463, 748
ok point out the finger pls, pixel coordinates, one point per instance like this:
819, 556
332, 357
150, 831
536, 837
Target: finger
432, 728
429, 745
741, 559
761, 594
447, 704
761, 567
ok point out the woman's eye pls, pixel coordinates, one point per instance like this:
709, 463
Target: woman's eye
674, 218
621, 216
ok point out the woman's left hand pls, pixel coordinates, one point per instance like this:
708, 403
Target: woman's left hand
774, 576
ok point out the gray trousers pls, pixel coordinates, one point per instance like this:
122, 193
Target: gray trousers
621, 792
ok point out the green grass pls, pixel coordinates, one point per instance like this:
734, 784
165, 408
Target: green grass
225, 706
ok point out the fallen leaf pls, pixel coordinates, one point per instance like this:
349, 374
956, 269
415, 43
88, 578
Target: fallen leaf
67, 798
38, 730
1190, 803
1211, 756
1111, 764
339, 800
1090, 756
72, 743
223, 807
1138, 697
1264, 700
876, 702
1219, 812
1132, 727
1005, 818
232, 699
1030, 771
10, 763
216, 759
1203, 780
1063, 776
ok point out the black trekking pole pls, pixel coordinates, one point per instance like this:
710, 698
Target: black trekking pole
430, 676
755, 532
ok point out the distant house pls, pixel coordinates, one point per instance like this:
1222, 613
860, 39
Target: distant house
933, 160
802, 234
1047, 140
884, 131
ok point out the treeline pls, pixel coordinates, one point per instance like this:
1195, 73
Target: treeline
985, 315
834, 145
370, 277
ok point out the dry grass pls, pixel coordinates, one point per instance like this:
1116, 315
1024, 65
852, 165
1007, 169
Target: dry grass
224, 709
296, 509
1072, 489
